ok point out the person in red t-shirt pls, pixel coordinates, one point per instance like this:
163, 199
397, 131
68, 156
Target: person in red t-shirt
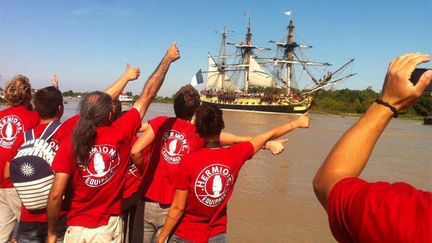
206, 179
49, 105
14, 120
95, 160
172, 138
360, 211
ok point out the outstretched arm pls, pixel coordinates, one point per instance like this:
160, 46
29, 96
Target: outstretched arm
260, 140
227, 138
275, 146
351, 153
54, 204
116, 88
174, 214
156, 79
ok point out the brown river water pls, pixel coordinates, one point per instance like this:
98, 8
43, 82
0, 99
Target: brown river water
273, 200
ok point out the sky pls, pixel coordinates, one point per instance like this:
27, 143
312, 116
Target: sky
88, 43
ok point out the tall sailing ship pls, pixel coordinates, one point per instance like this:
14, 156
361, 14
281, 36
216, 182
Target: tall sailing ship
253, 82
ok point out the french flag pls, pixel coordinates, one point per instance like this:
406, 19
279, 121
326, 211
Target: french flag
197, 79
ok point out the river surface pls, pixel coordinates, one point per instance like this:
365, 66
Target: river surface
273, 199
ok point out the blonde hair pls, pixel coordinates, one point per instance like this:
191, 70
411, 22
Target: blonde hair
18, 90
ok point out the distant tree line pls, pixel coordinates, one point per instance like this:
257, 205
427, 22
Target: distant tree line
332, 101
357, 101
158, 99
71, 93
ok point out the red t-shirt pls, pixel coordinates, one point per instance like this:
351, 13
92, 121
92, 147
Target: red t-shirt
174, 138
97, 188
13, 121
133, 176
57, 138
209, 176
379, 212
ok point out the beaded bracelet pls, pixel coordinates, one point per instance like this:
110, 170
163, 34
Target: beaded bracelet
392, 108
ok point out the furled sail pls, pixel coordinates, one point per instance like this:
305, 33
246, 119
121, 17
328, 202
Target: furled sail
257, 76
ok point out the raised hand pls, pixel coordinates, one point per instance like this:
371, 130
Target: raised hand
302, 122
173, 53
54, 81
397, 90
276, 146
131, 73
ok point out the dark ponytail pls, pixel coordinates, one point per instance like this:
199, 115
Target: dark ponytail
95, 108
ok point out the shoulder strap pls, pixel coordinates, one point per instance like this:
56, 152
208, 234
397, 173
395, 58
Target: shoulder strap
29, 135
50, 130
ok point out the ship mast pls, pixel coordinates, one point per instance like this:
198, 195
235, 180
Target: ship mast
246, 56
289, 55
223, 55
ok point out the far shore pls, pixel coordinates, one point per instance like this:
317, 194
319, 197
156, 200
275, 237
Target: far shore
313, 111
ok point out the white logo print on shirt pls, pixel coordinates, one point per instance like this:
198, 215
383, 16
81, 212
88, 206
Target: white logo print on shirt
10, 126
103, 163
213, 184
174, 146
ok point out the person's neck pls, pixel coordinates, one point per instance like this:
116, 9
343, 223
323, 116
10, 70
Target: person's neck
212, 142
48, 120
186, 120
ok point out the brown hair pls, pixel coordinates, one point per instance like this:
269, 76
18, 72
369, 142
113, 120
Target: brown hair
18, 90
47, 101
117, 109
209, 120
95, 108
186, 102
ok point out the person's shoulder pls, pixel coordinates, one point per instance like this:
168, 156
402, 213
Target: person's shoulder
184, 126
349, 183
159, 119
243, 146
71, 120
17, 110
34, 114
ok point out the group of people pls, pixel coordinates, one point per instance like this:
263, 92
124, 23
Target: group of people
105, 164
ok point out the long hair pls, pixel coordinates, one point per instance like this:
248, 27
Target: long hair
18, 90
186, 102
95, 108
209, 120
117, 109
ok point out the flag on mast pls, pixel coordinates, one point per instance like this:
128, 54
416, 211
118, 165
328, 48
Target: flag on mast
287, 13
197, 79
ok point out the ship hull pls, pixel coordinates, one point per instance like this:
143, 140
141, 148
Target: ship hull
268, 108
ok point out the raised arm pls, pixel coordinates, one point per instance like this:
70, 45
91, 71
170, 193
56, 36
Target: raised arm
260, 140
174, 214
156, 79
55, 81
351, 153
116, 88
